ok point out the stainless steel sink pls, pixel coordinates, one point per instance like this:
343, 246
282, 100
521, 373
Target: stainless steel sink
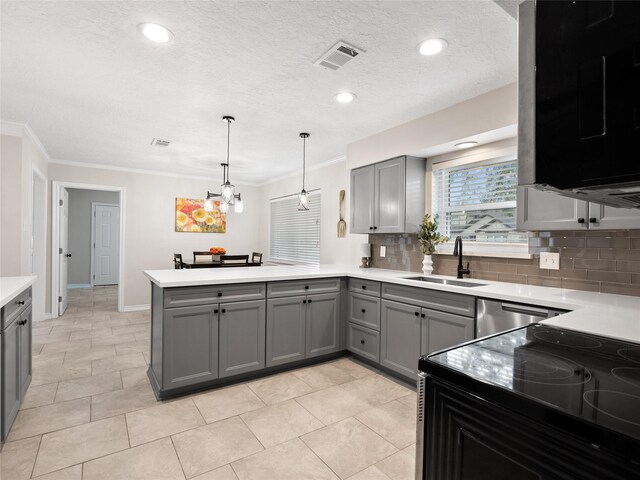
446, 281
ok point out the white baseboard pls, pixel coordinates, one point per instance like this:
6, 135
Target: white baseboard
46, 316
136, 308
79, 285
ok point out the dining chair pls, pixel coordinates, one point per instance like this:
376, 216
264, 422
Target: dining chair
256, 257
234, 259
178, 263
202, 257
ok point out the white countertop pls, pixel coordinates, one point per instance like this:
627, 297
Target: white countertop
11, 287
616, 316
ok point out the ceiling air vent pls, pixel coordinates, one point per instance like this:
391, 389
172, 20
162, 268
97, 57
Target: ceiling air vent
338, 55
160, 143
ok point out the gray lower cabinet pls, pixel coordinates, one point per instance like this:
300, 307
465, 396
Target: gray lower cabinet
364, 310
303, 326
323, 323
441, 330
400, 337
242, 337
286, 327
364, 341
11, 388
190, 346
25, 351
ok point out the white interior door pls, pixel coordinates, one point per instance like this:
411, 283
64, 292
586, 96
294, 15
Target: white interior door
106, 236
64, 250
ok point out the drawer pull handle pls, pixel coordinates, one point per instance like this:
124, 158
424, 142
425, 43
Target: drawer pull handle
20, 302
363, 310
219, 294
362, 342
417, 314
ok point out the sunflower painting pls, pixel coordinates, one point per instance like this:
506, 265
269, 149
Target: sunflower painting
192, 217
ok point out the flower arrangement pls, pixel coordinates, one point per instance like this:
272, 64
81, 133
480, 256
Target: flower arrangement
218, 251
428, 235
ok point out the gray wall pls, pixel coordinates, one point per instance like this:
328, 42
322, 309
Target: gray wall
80, 231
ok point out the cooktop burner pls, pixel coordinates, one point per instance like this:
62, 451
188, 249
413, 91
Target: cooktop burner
630, 375
567, 339
632, 354
618, 405
549, 370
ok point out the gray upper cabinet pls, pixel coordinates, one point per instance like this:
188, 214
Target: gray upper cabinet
286, 338
242, 337
540, 210
323, 322
388, 197
190, 346
400, 337
362, 181
443, 330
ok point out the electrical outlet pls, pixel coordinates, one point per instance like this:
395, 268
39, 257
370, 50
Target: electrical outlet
550, 260
383, 251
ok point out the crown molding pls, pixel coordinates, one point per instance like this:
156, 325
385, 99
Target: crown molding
19, 129
342, 158
142, 171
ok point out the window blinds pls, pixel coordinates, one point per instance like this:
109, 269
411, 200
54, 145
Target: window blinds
295, 235
477, 200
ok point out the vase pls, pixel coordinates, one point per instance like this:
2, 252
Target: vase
427, 265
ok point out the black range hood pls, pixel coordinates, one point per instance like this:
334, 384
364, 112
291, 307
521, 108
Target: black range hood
579, 99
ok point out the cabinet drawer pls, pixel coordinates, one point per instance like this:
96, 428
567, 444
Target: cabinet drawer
364, 310
436, 300
368, 287
12, 310
364, 341
297, 287
191, 296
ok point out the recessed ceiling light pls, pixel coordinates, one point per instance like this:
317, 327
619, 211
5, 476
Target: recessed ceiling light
345, 97
466, 144
433, 46
155, 33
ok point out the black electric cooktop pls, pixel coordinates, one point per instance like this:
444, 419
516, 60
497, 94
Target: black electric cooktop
583, 384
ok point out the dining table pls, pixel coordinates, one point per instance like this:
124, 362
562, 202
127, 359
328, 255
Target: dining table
218, 264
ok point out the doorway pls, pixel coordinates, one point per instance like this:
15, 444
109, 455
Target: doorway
87, 240
39, 243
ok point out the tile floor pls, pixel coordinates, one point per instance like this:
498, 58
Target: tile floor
90, 414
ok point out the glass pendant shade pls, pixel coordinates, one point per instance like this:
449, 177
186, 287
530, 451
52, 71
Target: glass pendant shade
303, 200
208, 205
227, 192
238, 205
224, 207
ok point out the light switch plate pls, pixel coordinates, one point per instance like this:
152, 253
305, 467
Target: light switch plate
550, 260
383, 251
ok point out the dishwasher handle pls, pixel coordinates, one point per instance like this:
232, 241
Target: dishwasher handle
525, 310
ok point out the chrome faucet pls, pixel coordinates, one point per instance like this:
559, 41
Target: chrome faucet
457, 250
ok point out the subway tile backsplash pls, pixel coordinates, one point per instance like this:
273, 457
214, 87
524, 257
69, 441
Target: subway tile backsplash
595, 261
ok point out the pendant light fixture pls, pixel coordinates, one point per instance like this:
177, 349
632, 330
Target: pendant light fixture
303, 196
227, 195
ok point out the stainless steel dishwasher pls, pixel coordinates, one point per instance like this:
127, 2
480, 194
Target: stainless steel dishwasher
495, 316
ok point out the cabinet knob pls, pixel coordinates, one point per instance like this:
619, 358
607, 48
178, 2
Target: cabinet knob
375, 228
581, 220
215, 311
362, 342
21, 302
304, 301
224, 310
417, 314
219, 294
370, 228
593, 220
68, 255
424, 315
364, 287
309, 301
363, 310
306, 287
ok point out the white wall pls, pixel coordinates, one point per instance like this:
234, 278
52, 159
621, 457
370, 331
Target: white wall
330, 179
10, 205
150, 239
80, 225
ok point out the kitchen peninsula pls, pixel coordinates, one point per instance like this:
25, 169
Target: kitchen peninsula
214, 327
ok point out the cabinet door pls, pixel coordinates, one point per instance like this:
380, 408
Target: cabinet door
441, 330
400, 337
285, 330
190, 345
389, 196
362, 200
603, 217
538, 210
242, 337
24, 333
323, 314
10, 376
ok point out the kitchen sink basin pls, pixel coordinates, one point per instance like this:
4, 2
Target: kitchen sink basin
446, 281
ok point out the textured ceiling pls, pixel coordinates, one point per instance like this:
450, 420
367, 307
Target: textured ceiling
95, 91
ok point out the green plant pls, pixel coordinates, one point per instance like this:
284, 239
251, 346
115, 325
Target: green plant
428, 235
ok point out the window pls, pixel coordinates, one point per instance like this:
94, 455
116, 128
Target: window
477, 200
295, 235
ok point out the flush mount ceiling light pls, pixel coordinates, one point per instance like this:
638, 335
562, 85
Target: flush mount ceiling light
156, 33
345, 97
433, 46
227, 195
303, 196
466, 144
